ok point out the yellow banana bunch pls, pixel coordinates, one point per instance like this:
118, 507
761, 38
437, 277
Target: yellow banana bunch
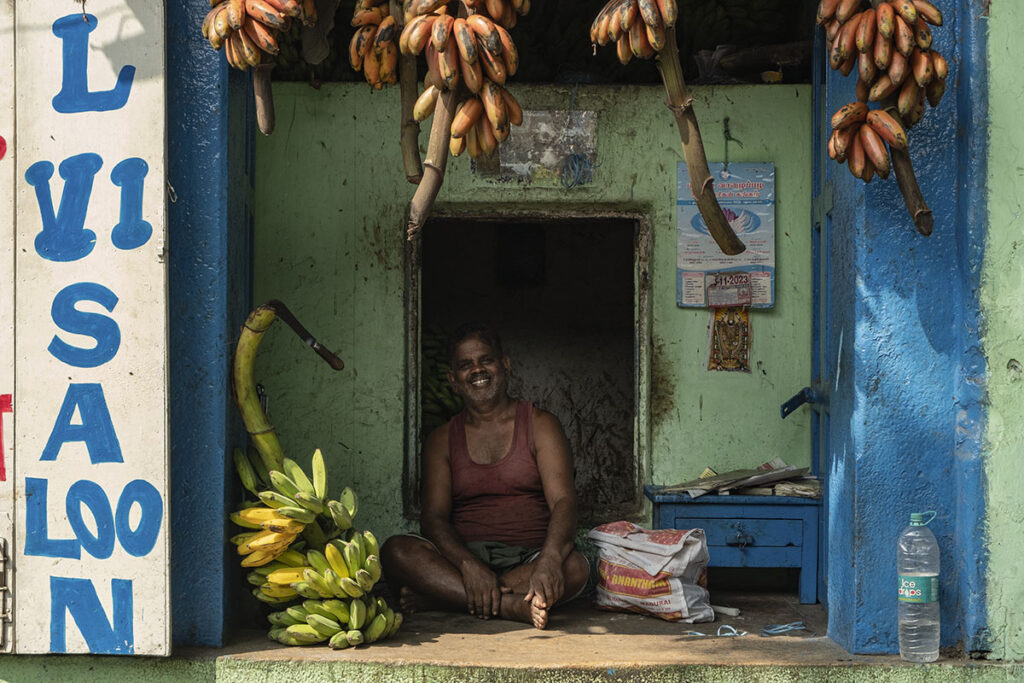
276, 533
889, 46
637, 27
247, 29
373, 48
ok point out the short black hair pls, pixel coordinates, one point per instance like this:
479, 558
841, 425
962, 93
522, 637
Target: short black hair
487, 334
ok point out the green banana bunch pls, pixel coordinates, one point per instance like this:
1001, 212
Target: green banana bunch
299, 634
246, 473
301, 544
438, 403
370, 620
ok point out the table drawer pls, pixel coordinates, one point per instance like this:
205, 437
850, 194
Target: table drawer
750, 533
754, 556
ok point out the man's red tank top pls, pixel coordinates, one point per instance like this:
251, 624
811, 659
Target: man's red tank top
503, 501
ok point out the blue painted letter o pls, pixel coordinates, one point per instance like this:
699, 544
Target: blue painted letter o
89, 492
140, 541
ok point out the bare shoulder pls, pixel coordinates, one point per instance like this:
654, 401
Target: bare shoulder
545, 423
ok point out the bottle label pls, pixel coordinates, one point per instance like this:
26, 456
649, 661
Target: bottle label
919, 588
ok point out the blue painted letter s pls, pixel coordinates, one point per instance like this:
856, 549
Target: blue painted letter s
96, 325
74, 95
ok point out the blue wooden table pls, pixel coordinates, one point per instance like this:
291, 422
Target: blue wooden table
748, 531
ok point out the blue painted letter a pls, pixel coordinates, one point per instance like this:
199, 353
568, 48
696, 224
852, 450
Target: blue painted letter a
96, 428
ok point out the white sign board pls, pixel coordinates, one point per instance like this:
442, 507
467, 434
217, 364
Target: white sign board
90, 366
6, 308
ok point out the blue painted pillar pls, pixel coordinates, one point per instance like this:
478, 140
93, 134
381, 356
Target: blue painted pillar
209, 161
904, 372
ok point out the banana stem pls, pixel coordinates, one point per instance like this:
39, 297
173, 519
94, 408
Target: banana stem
701, 183
410, 133
918, 209
903, 169
263, 95
434, 165
422, 204
262, 433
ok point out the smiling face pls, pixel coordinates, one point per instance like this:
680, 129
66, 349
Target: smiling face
479, 374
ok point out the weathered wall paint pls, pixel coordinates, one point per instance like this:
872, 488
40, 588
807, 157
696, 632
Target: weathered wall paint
330, 203
1002, 284
903, 405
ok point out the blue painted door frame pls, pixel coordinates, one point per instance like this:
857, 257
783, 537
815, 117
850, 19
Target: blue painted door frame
902, 362
209, 250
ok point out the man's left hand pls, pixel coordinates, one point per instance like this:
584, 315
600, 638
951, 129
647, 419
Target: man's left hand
546, 583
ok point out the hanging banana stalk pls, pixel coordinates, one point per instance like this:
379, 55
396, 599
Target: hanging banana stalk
644, 29
264, 97
262, 433
888, 44
903, 169
434, 164
906, 179
436, 161
410, 134
469, 55
701, 183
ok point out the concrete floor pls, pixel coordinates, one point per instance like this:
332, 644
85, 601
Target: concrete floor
588, 641
583, 644
580, 635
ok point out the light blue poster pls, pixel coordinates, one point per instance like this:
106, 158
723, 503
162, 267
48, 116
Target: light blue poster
707, 277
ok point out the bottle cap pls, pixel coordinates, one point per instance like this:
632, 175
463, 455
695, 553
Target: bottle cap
917, 518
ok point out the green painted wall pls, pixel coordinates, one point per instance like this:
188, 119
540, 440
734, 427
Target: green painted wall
329, 240
1002, 284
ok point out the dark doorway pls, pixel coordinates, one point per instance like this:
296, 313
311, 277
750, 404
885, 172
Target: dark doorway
562, 294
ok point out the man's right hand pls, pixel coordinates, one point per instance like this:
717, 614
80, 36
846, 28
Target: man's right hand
483, 591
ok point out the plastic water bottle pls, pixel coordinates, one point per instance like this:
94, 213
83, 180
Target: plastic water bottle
918, 567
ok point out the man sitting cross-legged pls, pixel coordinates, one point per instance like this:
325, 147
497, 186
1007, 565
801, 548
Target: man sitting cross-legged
498, 505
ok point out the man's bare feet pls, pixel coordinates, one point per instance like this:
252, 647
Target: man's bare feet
514, 607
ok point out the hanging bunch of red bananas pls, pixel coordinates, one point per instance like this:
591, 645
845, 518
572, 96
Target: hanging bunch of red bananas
248, 28
476, 51
889, 46
373, 48
637, 27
